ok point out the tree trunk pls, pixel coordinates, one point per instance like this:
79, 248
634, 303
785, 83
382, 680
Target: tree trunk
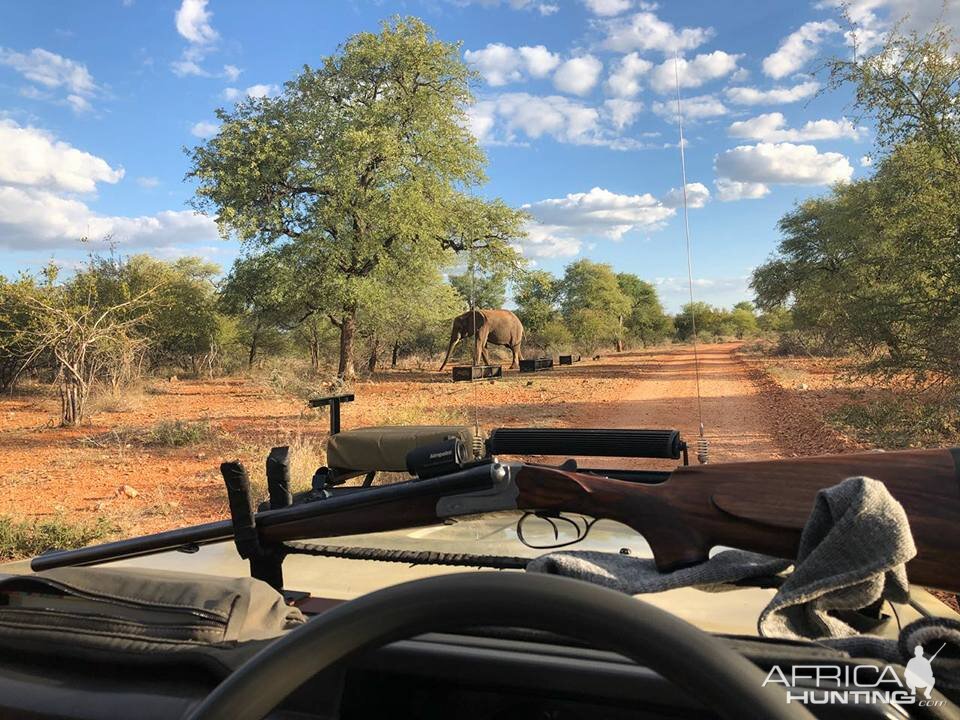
253, 345
71, 402
395, 355
348, 330
374, 356
620, 336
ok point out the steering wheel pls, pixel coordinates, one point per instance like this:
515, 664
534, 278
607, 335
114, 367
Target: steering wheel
693, 660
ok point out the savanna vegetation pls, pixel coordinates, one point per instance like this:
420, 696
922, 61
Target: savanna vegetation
353, 195
871, 271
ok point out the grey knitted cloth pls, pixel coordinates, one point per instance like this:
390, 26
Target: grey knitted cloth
852, 553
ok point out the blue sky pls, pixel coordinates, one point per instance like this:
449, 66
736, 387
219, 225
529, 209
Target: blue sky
575, 109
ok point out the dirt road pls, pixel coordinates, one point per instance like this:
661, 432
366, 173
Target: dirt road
738, 418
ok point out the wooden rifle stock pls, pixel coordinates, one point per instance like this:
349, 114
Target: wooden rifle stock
763, 506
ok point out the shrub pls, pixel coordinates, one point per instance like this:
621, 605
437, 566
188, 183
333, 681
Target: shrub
178, 433
26, 538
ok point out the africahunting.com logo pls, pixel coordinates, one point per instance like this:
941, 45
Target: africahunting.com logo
855, 684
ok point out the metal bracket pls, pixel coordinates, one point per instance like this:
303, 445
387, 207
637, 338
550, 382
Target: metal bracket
501, 496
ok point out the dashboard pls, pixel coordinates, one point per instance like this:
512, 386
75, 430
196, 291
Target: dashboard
492, 674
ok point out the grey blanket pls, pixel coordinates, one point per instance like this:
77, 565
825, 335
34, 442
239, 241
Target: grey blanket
852, 554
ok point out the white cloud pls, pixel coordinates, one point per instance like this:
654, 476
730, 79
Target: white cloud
578, 75
183, 68
698, 107
50, 70
798, 48
79, 104
544, 8
231, 93
729, 190
39, 208
204, 129
543, 241
193, 22
231, 72
505, 118
771, 127
624, 80
873, 18
53, 72
148, 181
698, 195
866, 161
645, 31
32, 219
692, 73
262, 91
774, 96
539, 61
601, 212
787, 163
501, 64
32, 157
622, 112
607, 8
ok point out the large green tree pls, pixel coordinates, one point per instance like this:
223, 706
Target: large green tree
364, 160
593, 304
646, 321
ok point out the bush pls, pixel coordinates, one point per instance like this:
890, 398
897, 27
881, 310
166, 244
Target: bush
26, 538
902, 422
178, 433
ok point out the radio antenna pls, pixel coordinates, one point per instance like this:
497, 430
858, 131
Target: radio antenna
476, 340
703, 450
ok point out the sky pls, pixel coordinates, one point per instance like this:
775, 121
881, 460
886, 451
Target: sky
575, 107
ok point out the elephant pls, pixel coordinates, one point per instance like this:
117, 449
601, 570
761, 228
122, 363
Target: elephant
500, 327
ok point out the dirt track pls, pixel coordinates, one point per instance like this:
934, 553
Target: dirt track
737, 418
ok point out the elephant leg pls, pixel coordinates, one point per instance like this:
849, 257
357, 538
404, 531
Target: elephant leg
486, 358
481, 345
454, 339
516, 357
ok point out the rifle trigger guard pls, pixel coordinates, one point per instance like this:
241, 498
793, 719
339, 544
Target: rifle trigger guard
502, 495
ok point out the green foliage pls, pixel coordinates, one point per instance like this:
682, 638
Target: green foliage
647, 322
27, 538
873, 266
360, 162
489, 289
715, 323
593, 305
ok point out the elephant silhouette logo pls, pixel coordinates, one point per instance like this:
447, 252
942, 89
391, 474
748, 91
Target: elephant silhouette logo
919, 674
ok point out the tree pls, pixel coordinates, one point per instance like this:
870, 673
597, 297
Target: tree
593, 305
254, 292
536, 294
874, 265
646, 321
707, 319
489, 289
83, 335
909, 89
364, 160
404, 306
